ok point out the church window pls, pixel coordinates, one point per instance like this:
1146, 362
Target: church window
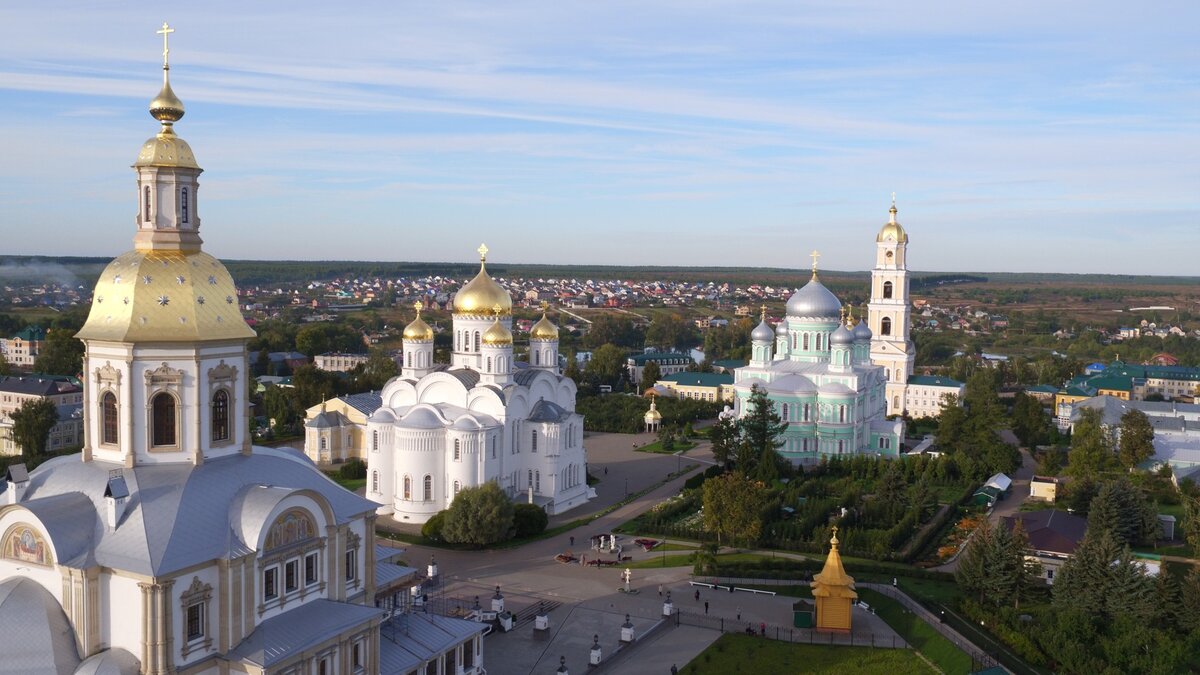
806, 412
375, 482
291, 575
311, 569
841, 446
537, 481
784, 414
529, 480
183, 204
427, 488
887, 289
494, 439
195, 621
163, 411
375, 440
356, 660
322, 444
885, 326
108, 409
408, 488
489, 364
537, 357
457, 487
457, 449
270, 589
476, 340
533, 442
352, 564
842, 414
806, 342
220, 416
146, 205
895, 401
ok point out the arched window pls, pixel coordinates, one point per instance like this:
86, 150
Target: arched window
489, 364
806, 341
537, 481
428, 488
529, 481
457, 449
895, 401
220, 416
885, 326
457, 487
841, 446
494, 439
476, 340
183, 205
887, 289
162, 409
408, 488
805, 412
375, 440
537, 357
842, 414
784, 413
146, 205
819, 341
533, 442
108, 412
375, 482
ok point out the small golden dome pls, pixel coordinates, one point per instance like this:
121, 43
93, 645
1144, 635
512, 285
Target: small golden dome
892, 231
543, 329
497, 335
166, 149
482, 293
653, 414
418, 330
165, 296
166, 107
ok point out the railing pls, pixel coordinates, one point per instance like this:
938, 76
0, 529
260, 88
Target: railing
790, 633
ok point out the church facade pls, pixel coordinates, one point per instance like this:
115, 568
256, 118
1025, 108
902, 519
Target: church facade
482, 417
821, 369
170, 544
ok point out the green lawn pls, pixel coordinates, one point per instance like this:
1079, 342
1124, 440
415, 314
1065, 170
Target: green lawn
735, 653
685, 560
350, 484
922, 636
657, 447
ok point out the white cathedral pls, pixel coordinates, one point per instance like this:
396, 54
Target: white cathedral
482, 417
171, 544
835, 381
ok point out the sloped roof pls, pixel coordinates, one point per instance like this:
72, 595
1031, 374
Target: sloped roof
37, 636
1052, 531
548, 411
292, 632
365, 402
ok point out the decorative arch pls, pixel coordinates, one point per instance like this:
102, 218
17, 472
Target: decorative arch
24, 543
427, 488
164, 420
220, 416
885, 326
291, 527
887, 290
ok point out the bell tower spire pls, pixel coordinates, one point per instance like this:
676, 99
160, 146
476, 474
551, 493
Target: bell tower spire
889, 312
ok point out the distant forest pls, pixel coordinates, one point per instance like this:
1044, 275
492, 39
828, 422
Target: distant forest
260, 272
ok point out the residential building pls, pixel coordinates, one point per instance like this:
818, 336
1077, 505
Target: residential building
1044, 488
926, 394
668, 364
336, 430
1053, 537
699, 386
67, 398
22, 349
339, 362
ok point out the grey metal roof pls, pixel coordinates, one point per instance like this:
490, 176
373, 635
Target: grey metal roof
39, 386
384, 553
387, 573
365, 403
814, 300
115, 661
37, 637
548, 411
327, 420
177, 515
298, 629
71, 522
408, 640
17, 473
468, 377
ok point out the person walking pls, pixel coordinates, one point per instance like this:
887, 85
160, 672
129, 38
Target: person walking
572, 541
706, 607
697, 595
660, 590
739, 613
762, 629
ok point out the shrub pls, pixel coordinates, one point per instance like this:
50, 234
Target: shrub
529, 519
432, 529
354, 469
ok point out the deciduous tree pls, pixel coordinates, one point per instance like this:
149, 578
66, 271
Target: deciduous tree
61, 353
479, 516
1136, 444
733, 507
1091, 448
32, 423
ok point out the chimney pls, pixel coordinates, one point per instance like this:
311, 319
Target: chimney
18, 479
116, 496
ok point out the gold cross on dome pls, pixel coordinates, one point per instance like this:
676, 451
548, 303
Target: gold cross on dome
483, 250
815, 255
893, 200
165, 32
497, 309
418, 305
764, 312
545, 306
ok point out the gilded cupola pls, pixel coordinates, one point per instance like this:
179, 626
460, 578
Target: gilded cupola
418, 330
543, 329
497, 335
165, 148
482, 293
892, 231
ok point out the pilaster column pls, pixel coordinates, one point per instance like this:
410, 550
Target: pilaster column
156, 628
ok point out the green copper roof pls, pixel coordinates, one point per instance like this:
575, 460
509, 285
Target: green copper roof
934, 381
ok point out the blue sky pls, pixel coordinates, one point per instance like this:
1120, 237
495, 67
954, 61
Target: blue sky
1018, 136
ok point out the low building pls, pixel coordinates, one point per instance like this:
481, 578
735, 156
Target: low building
699, 386
1176, 427
339, 362
1053, 537
996, 488
669, 363
926, 395
22, 349
67, 398
1044, 393
336, 430
1044, 488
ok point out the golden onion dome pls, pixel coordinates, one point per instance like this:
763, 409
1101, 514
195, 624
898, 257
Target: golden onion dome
892, 231
653, 414
482, 293
166, 148
418, 330
497, 335
543, 329
165, 296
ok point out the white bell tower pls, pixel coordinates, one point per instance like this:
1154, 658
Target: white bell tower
889, 311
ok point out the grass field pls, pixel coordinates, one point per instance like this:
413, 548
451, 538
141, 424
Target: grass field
733, 653
922, 636
685, 560
656, 447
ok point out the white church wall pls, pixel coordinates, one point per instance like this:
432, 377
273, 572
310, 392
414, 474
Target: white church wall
121, 597
206, 575
108, 357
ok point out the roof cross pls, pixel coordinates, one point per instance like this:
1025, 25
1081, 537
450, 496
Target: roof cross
815, 255
165, 31
483, 251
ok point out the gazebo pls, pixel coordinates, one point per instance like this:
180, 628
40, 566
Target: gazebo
653, 418
834, 592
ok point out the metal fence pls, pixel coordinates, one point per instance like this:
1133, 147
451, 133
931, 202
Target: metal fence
789, 633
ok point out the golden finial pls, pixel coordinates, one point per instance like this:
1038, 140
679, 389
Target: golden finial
497, 309
834, 540
892, 210
815, 255
545, 306
418, 305
850, 312
763, 313
483, 251
166, 107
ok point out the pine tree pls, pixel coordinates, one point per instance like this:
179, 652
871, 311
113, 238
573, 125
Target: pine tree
972, 564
